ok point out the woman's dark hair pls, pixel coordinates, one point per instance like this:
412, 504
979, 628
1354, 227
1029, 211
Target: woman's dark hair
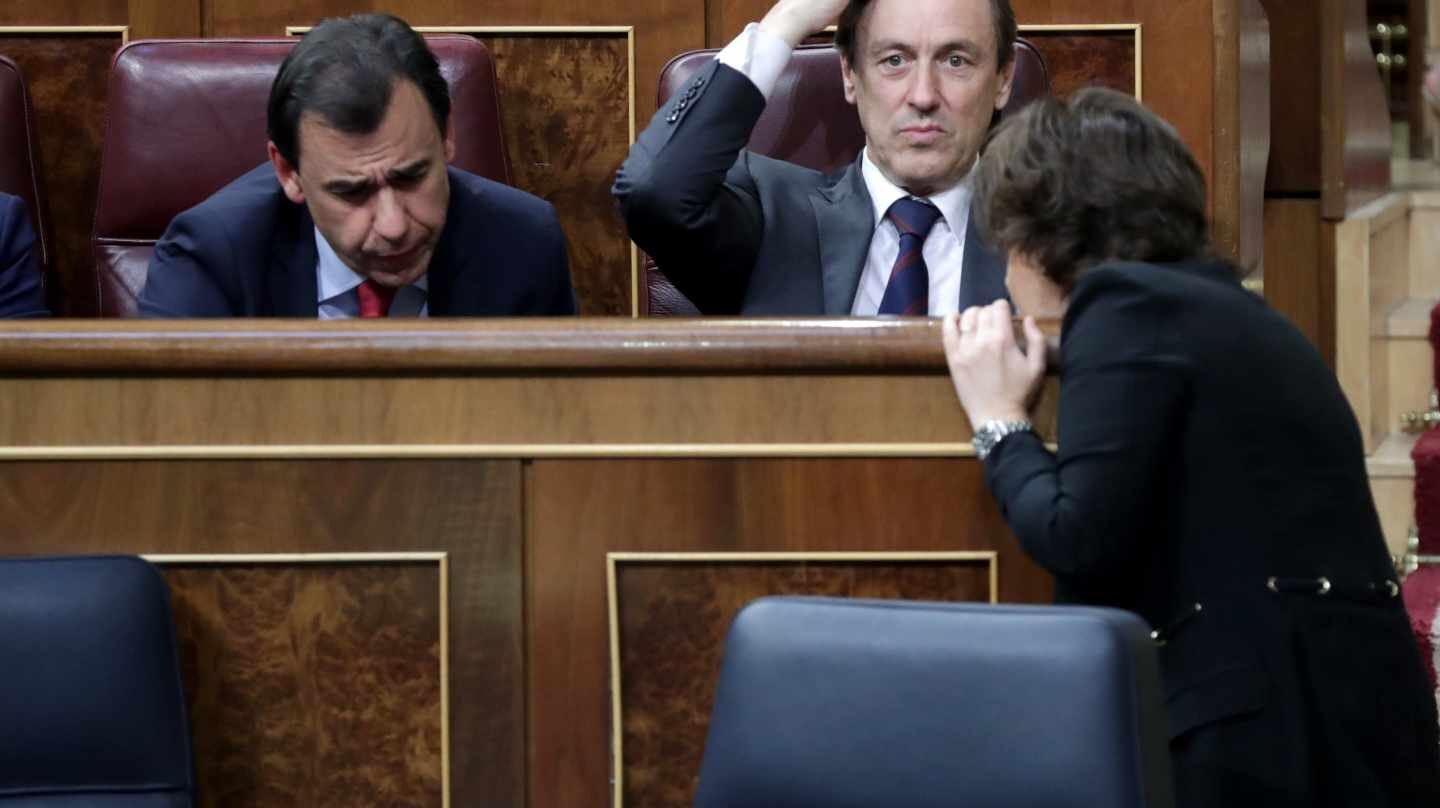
345, 70
848, 28
1071, 184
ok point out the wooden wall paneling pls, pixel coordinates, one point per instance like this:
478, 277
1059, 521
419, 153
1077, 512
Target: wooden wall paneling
313, 683
1242, 132
1292, 263
669, 614
568, 102
67, 69
1355, 117
663, 28
167, 19
64, 12
1295, 98
467, 509
577, 511
1096, 56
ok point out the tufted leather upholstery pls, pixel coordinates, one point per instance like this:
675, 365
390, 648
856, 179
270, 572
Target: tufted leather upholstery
188, 116
19, 163
807, 121
827, 702
90, 690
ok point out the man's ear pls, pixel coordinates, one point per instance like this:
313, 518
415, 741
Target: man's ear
847, 77
1007, 81
450, 143
288, 174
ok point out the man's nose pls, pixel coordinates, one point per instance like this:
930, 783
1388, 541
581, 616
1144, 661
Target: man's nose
922, 88
390, 223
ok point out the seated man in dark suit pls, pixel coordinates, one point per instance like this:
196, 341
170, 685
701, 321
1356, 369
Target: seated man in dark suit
20, 292
357, 213
738, 232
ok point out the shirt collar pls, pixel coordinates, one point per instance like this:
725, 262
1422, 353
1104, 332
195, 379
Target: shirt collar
954, 203
334, 278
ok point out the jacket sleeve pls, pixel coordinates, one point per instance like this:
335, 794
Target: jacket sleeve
1086, 512
685, 190
20, 290
183, 277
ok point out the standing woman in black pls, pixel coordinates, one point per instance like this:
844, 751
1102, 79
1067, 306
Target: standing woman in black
1210, 474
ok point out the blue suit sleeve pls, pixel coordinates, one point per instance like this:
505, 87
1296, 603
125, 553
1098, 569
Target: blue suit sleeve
182, 278
21, 294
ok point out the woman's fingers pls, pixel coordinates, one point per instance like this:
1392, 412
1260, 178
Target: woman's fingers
1035, 344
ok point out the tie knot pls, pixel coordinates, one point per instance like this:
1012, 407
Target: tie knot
374, 299
913, 217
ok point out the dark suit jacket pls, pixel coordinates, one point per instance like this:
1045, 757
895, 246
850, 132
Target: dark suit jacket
741, 233
1204, 448
248, 251
20, 291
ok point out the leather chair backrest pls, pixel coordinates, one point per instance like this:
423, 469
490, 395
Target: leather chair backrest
186, 117
827, 702
90, 690
19, 161
807, 121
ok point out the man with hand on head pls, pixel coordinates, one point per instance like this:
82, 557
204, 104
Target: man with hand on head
891, 234
357, 214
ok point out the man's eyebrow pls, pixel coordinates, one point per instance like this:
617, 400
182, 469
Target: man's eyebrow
341, 187
967, 45
409, 170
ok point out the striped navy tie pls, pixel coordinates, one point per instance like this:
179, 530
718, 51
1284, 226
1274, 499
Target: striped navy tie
908, 291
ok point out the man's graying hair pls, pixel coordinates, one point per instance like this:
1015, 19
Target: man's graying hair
345, 71
847, 31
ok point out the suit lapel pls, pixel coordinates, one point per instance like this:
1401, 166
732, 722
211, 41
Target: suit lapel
293, 263
452, 291
982, 273
844, 221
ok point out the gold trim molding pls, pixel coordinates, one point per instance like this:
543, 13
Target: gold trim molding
615, 559
1135, 27
440, 559
500, 451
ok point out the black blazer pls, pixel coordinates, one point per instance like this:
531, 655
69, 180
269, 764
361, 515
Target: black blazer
20, 291
1208, 456
248, 251
740, 233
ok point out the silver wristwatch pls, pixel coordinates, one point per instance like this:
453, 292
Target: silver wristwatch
990, 433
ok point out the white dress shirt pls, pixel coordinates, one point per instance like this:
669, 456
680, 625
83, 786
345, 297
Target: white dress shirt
336, 283
761, 56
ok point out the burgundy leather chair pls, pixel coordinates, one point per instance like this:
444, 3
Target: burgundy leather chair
808, 122
20, 164
188, 116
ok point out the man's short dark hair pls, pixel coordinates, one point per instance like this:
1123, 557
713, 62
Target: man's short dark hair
1073, 184
344, 71
847, 31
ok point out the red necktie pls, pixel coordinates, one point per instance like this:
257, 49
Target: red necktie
374, 299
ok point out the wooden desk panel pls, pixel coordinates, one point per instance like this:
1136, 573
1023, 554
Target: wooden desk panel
522, 453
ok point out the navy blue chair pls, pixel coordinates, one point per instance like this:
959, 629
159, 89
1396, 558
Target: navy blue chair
831, 703
92, 709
